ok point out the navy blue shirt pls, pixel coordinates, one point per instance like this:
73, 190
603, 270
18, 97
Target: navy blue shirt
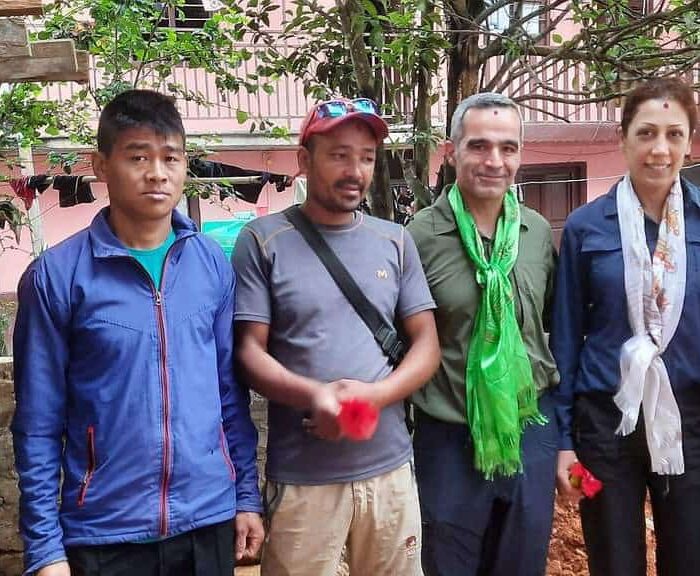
589, 322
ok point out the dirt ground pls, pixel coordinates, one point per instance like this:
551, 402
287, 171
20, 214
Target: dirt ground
567, 556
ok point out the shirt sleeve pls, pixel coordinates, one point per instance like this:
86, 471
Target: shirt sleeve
552, 258
40, 362
252, 279
241, 435
414, 293
567, 336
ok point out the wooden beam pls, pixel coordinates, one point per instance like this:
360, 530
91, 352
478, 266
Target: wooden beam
22, 7
14, 38
81, 75
54, 49
51, 60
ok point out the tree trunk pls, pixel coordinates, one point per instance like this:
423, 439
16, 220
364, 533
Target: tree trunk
353, 28
421, 149
463, 65
421, 129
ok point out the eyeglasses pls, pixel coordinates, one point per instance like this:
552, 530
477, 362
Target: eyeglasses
338, 108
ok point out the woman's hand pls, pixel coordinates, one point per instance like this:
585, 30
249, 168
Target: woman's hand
565, 461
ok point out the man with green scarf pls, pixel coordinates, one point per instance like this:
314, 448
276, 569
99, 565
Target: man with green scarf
486, 435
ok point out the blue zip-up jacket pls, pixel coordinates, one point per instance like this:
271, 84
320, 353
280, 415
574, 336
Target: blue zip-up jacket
130, 392
589, 320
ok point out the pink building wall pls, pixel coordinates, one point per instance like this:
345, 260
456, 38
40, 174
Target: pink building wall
590, 138
604, 164
60, 223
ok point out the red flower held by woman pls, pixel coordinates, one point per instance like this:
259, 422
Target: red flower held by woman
583, 479
358, 419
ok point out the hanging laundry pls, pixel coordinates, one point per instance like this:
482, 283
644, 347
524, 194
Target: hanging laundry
247, 192
39, 183
281, 181
26, 194
72, 190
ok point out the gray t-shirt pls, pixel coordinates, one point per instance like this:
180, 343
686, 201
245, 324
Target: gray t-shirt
315, 332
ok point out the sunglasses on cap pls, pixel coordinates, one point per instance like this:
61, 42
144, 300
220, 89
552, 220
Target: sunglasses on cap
338, 108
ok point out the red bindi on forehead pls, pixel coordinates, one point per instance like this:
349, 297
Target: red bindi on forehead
495, 112
666, 104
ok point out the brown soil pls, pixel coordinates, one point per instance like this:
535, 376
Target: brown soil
567, 555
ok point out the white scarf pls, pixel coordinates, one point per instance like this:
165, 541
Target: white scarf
655, 291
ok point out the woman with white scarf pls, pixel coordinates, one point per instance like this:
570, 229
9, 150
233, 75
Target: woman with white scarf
626, 337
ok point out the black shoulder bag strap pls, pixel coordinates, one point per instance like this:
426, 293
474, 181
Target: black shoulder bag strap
384, 333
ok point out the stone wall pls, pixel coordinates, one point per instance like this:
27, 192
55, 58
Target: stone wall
10, 543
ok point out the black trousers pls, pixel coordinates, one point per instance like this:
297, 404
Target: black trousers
478, 527
207, 551
613, 522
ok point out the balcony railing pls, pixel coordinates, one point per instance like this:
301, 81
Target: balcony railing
287, 105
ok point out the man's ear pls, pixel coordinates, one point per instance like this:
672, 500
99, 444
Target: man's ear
303, 159
98, 166
450, 152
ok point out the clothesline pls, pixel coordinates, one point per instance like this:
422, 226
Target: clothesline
89, 178
228, 181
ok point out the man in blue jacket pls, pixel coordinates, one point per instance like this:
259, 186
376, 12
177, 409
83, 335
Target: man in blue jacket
124, 378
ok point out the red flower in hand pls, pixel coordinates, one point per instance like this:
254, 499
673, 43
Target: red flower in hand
583, 479
358, 419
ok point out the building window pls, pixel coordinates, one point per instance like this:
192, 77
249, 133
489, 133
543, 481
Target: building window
191, 15
640, 7
500, 20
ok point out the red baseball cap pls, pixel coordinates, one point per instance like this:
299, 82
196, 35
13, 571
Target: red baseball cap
318, 123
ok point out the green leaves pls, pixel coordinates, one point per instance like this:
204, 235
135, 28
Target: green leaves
242, 116
24, 118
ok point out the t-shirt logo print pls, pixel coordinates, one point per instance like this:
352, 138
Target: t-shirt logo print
382, 274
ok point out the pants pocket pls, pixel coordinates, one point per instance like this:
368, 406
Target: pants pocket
273, 492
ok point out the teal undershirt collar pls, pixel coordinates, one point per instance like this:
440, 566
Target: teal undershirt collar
154, 259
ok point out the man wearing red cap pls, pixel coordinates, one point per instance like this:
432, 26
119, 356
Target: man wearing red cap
303, 346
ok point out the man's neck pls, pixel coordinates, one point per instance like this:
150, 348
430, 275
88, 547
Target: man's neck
140, 235
318, 215
485, 213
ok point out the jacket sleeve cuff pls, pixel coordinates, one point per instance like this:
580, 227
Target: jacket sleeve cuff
249, 505
257, 508
566, 442
43, 563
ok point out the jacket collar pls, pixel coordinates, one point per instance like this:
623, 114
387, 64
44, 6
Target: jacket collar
691, 195
105, 243
444, 219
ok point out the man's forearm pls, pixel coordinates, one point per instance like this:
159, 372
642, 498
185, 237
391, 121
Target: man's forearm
268, 377
418, 365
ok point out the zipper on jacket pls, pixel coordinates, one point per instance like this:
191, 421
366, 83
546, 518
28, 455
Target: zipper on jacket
227, 458
90, 470
165, 388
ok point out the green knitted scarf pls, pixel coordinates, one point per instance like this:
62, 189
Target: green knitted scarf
501, 395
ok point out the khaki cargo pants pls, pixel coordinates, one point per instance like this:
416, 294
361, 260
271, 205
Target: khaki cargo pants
378, 519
